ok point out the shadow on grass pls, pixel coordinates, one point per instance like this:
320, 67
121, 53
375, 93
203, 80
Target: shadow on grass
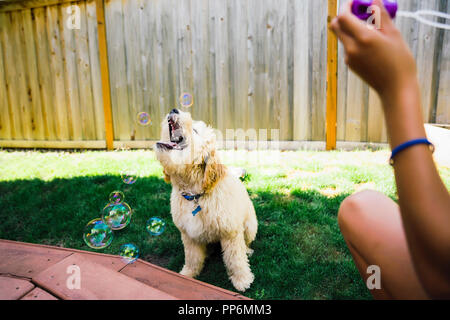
299, 251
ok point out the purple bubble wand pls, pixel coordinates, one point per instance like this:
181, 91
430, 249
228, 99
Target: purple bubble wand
360, 8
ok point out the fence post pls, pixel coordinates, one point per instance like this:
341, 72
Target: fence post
104, 70
332, 50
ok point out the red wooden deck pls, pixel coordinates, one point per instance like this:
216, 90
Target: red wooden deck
40, 272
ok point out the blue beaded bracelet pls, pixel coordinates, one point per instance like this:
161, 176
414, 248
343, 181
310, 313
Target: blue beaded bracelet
408, 144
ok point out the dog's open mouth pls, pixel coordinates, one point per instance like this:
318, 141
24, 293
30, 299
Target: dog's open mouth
177, 141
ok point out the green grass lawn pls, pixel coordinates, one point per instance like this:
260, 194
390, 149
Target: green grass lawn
48, 197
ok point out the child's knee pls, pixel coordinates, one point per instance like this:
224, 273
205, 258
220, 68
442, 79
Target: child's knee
354, 207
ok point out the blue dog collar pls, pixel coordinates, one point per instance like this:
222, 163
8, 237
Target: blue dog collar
193, 197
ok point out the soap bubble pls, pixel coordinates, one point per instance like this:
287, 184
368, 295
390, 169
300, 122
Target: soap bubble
186, 100
116, 197
97, 234
129, 177
117, 215
144, 118
129, 253
155, 226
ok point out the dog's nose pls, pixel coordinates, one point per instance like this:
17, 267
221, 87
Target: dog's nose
174, 111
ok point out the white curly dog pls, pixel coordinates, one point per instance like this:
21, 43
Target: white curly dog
208, 203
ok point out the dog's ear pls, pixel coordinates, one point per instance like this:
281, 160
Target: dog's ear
214, 171
166, 177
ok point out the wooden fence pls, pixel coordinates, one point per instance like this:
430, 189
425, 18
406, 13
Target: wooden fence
50, 87
249, 64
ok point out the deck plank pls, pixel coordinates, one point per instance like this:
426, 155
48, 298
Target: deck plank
97, 282
175, 284
27, 261
107, 260
38, 294
111, 262
14, 288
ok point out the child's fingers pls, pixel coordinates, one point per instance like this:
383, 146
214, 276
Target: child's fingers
335, 27
351, 25
347, 41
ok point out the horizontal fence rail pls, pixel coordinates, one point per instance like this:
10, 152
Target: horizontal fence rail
250, 65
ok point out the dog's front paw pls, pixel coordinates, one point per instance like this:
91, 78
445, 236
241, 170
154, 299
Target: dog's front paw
242, 281
187, 272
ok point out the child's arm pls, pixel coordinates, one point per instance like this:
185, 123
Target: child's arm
383, 59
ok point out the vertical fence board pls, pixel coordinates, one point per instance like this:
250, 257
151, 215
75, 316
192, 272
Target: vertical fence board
44, 73
184, 49
318, 60
168, 59
302, 116
342, 87
152, 51
134, 66
31, 75
425, 59
92, 38
200, 61
84, 77
71, 74
118, 69
18, 62
164, 65
251, 48
376, 128
147, 49
271, 116
290, 66
57, 69
407, 26
260, 52
238, 37
356, 99
221, 65
84, 68
278, 71
5, 120
282, 93
11, 77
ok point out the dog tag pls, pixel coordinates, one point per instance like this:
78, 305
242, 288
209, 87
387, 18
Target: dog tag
196, 210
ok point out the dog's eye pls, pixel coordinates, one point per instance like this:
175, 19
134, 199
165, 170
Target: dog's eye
195, 131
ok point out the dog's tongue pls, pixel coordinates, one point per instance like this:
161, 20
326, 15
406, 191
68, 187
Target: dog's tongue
169, 145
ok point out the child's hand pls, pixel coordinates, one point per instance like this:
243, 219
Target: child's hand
380, 57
